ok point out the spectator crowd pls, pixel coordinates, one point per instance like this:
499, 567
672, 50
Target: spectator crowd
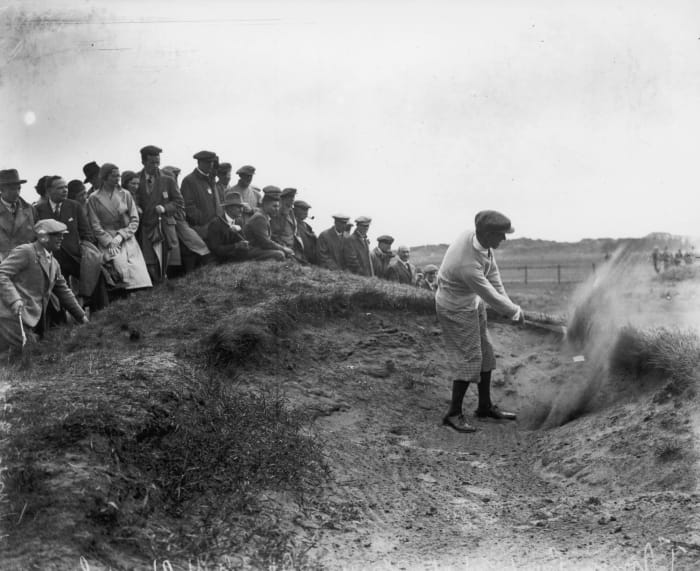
84, 243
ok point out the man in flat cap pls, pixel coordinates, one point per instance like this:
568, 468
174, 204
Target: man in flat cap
91, 171
428, 278
257, 229
250, 195
283, 224
161, 204
381, 255
330, 243
401, 269
223, 182
468, 278
202, 202
309, 251
28, 277
16, 215
355, 252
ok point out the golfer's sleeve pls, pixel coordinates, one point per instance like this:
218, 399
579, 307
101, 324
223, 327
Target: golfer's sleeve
474, 277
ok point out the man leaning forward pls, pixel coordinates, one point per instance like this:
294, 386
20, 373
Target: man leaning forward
468, 277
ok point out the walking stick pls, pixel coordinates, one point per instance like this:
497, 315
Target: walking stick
21, 328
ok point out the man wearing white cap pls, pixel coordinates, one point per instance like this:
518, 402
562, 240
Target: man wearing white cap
467, 278
28, 277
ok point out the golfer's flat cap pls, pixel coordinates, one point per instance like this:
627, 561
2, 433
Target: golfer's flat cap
246, 169
363, 220
341, 217
430, 268
151, 150
272, 191
50, 226
204, 156
386, 238
492, 221
301, 204
288, 192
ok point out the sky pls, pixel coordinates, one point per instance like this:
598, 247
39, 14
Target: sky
575, 119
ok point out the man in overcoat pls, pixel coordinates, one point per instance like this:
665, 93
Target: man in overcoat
202, 204
16, 215
161, 204
330, 243
468, 278
28, 277
307, 237
355, 252
382, 255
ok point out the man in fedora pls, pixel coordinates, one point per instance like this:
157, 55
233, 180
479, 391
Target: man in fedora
160, 203
28, 277
91, 171
226, 240
250, 195
468, 278
355, 252
330, 243
16, 215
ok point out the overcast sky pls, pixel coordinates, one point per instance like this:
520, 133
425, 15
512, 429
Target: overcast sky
576, 119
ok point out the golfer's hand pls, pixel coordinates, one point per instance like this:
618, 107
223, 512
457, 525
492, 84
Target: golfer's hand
289, 252
519, 316
17, 307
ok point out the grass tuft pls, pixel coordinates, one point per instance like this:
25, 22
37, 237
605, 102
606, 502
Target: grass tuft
674, 353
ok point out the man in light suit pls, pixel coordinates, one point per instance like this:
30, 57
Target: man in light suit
330, 243
16, 215
401, 270
28, 277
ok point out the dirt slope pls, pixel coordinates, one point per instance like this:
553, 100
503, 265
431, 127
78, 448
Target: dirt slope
406, 492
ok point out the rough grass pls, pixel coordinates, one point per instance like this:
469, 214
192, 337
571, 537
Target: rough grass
674, 353
132, 435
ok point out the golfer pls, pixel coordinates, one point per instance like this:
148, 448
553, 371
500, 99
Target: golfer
467, 278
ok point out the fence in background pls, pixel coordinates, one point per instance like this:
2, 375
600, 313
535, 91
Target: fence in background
552, 273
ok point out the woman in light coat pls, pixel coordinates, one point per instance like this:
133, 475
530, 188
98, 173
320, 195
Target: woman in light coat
114, 219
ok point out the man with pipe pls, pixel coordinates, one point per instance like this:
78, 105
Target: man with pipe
28, 277
468, 278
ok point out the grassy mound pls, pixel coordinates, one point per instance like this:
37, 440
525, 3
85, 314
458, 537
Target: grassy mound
131, 438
